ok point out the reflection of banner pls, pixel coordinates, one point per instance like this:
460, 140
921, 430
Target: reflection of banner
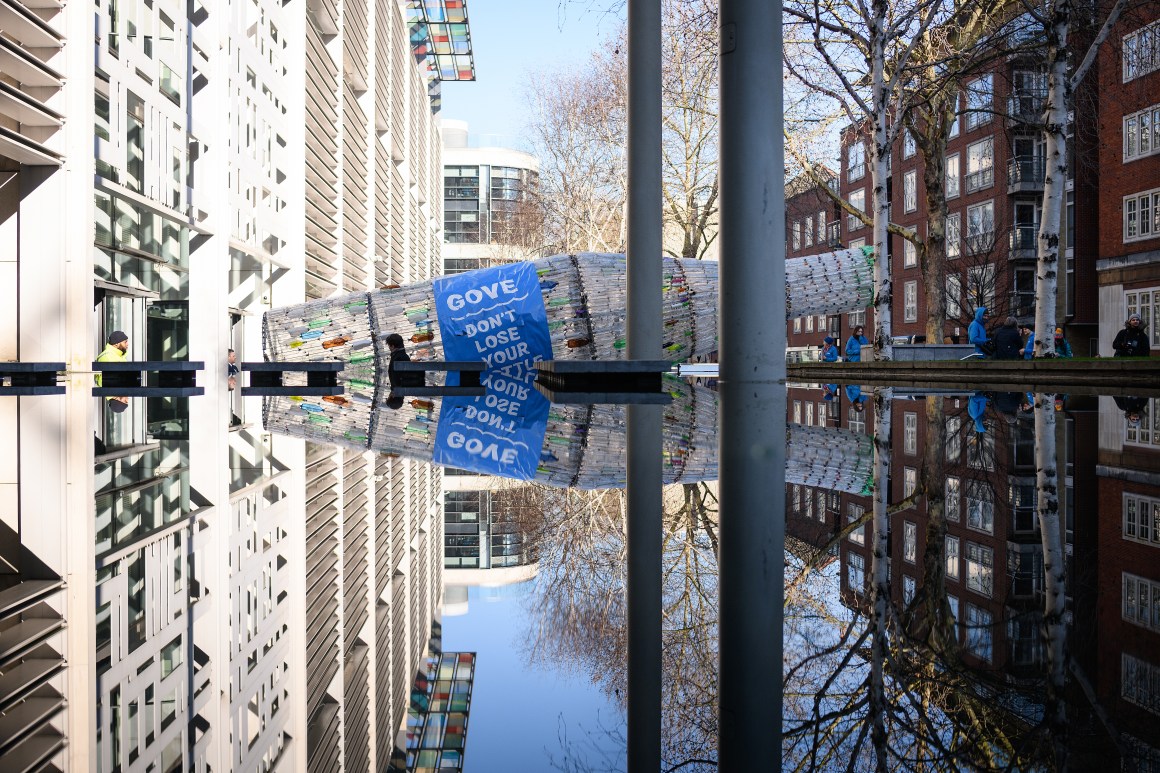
500, 433
494, 314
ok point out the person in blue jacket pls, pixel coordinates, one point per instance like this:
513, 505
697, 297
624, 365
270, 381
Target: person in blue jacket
829, 349
856, 398
976, 407
977, 332
1029, 344
855, 344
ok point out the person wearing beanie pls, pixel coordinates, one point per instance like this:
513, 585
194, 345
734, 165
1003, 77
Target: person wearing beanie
1132, 341
1062, 347
829, 349
114, 351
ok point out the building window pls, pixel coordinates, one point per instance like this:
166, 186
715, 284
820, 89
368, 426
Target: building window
855, 572
1141, 601
797, 324
857, 244
907, 589
822, 239
910, 191
1142, 133
978, 624
853, 513
1141, 51
910, 301
907, 144
954, 235
809, 414
954, 439
954, 296
856, 421
909, 254
797, 498
808, 232
909, 542
980, 165
857, 318
797, 411
1142, 519
821, 500
980, 507
855, 161
952, 176
821, 323
980, 93
857, 201
1140, 682
981, 448
810, 323
1142, 216
1147, 431
981, 227
910, 433
797, 235
1146, 303
808, 501
953, 603
980, 568
909, 481
951, 496
951, 554
981, 286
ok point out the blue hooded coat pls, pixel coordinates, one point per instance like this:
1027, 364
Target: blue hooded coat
854, 348
976, 332
976, 407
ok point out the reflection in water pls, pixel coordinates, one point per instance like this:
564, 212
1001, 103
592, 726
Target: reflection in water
1002, 612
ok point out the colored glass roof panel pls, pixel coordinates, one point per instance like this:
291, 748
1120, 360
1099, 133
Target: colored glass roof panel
440, 31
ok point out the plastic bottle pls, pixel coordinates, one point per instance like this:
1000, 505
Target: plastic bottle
334, 343
576, 343
420, 337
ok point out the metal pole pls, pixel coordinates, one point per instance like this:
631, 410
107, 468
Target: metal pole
644, 422
752, 386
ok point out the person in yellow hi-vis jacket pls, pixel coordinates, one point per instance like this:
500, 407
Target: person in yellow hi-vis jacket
114, 350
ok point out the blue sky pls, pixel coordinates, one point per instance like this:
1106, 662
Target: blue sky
517, 707
511, 40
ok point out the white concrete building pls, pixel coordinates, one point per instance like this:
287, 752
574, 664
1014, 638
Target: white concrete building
179, 589
485, 190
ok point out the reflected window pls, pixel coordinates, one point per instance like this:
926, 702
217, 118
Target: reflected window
909, 542
980, 569
1141, 519
855, 513
856, 421
979, 632
954, 438
823, 415
1140, 682
797, 411
908, 587
910, 433
953, 603
809, 414
809, 502
909, 481
821, 498
952, 494
981, 449
951, 553
797, 498
1141, 601
855, 572
1145, 431
980, 507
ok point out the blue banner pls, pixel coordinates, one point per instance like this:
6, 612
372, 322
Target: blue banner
496, 315
500, 433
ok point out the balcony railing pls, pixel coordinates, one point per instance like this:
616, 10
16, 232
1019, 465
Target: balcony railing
1027, 105
1025, 174
978, 180
856, 172
1022, 241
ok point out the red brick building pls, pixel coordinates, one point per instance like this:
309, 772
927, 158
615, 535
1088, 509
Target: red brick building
1128, 265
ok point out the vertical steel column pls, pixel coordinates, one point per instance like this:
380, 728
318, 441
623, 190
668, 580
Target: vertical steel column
752, 386
644, 421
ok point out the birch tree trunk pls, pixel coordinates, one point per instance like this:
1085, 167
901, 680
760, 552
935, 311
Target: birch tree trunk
1055, 181
1054, 566
880, 577
879, 157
